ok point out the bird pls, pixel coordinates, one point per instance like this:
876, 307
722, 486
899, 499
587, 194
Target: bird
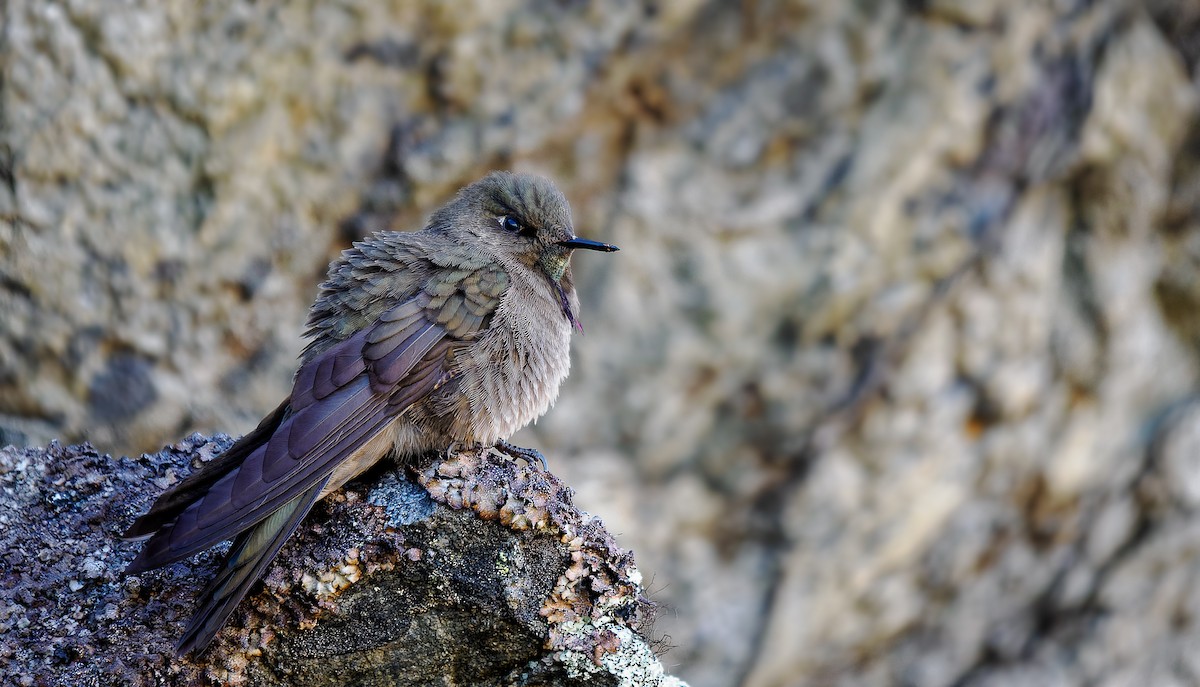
454, 335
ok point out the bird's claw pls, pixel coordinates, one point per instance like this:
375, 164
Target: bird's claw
529, 455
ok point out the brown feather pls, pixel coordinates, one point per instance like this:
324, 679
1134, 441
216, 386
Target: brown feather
417, 340
169, 505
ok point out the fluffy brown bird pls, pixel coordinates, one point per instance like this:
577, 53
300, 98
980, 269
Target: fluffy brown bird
455, 334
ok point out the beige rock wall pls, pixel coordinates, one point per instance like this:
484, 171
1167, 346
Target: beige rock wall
893, 382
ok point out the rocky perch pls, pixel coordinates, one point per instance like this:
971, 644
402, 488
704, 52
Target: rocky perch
469, 570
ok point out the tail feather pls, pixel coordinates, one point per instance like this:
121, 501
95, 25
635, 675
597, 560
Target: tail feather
250, 554
168, 506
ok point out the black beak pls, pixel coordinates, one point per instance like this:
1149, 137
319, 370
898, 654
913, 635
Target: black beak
588, 244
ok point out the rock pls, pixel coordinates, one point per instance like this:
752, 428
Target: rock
483, 573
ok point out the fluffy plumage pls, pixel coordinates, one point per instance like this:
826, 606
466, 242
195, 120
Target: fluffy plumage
457, 333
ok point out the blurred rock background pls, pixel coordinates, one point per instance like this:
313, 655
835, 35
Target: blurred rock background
894, 381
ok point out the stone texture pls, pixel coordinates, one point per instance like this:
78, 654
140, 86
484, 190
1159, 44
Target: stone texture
485, 574
890, 384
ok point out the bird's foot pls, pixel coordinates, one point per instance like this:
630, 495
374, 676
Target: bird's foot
457, 447
529, 455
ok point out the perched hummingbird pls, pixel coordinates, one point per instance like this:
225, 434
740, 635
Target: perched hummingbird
458, 333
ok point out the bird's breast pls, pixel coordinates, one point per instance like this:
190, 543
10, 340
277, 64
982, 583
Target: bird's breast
511, 374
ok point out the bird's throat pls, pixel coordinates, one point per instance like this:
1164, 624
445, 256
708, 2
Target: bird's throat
565, 302
555, 265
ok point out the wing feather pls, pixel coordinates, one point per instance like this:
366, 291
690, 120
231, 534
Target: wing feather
171, 504
341, 398
389, 370
346, 393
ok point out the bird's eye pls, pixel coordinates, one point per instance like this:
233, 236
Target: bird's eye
511, 224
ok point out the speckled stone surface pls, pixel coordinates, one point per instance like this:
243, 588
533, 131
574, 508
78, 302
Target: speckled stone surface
388, 583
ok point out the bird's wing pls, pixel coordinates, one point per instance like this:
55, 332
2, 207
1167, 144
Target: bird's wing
172, 503
341, 398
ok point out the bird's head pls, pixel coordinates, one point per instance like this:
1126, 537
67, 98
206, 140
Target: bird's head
517, 217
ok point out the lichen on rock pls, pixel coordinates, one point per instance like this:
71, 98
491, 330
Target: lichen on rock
386, 583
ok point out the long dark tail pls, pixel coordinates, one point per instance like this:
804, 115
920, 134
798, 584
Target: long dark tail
252, 550
168, 506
